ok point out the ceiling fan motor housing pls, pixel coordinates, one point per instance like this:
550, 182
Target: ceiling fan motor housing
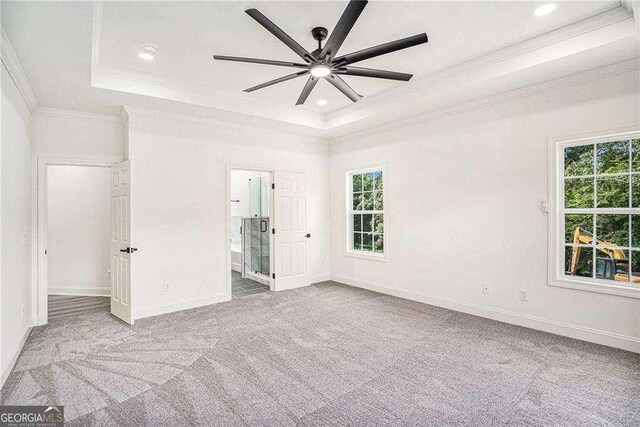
319, 33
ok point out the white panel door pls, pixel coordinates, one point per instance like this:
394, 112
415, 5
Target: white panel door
121, 249
291, 234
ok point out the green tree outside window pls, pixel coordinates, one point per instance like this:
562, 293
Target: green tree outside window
367, 212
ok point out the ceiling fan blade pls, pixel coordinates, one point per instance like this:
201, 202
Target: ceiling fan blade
381, 49
281, 35
344, 25
343, 87
278, 80
311, 83
371, 72
260, 61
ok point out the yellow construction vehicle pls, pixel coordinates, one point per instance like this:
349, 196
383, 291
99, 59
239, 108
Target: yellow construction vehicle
615, 267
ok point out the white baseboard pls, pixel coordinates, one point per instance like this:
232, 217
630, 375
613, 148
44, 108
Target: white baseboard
14, 353
178, 306
85, 292
321, 278
610, 339
236, 267
288, 288
316, 279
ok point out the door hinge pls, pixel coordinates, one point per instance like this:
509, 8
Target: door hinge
273, 186
273, 275
273, 231
45, 251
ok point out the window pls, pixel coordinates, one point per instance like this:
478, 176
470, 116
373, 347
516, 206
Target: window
599, 212
365, 212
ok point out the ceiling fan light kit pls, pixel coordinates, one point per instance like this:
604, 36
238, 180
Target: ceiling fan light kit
322, 62
320, 70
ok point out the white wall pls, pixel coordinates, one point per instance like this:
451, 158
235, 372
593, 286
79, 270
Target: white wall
463, 208
179, 204
78, 230
15, 219
71, 135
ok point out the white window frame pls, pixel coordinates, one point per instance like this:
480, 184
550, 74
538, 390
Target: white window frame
556, 243
348, 234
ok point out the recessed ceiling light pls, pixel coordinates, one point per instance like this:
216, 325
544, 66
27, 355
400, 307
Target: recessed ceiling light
146, 56
320, 71
150, 48
321, 102
545, 9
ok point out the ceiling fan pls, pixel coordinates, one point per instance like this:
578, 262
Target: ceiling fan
323, 62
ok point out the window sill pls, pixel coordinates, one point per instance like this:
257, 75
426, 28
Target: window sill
623, 291
365, 255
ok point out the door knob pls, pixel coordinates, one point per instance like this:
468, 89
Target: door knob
129, 250
308, 235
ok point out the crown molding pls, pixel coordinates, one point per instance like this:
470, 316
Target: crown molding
552, 45
217, 126
606, 27
148, 84
78, 115
152, 85
11, 62
483, 64
631, 65
144, 113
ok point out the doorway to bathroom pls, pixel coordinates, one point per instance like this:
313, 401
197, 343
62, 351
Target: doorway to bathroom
251, 231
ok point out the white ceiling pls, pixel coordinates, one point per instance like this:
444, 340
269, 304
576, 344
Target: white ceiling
188, 34
54, 42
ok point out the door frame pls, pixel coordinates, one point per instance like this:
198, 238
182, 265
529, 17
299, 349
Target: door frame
229, 168
41, 284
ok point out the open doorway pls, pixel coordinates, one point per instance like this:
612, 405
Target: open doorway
78, 239
250, 226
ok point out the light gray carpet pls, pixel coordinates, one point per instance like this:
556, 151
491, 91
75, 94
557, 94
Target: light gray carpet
326, 354
71, 305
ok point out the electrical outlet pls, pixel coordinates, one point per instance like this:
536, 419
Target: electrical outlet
485, 288
165, 287
524, 295
544, 206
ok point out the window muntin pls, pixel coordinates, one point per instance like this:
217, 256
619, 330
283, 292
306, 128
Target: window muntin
366, 212
600, 212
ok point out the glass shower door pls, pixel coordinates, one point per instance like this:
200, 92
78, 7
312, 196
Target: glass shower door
257, 226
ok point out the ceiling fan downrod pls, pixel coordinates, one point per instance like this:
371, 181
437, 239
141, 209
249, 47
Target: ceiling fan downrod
319, 34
